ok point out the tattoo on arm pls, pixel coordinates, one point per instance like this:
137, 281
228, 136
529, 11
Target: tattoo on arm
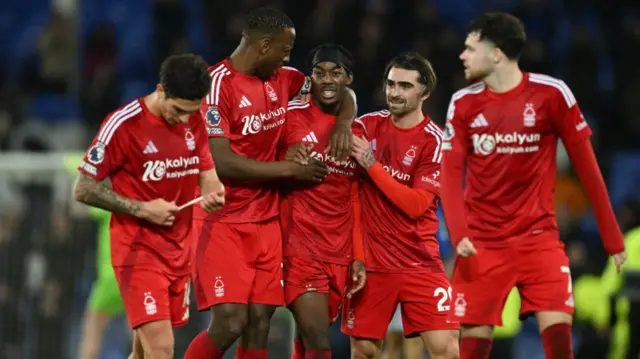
368, 159
97, 194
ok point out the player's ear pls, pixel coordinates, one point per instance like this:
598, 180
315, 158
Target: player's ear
159, 88
264, 44
349, 79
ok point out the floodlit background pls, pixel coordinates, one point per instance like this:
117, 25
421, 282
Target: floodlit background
65, 64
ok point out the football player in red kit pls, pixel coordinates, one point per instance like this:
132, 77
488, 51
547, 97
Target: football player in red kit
401, 155
155, 152
320, 246
506, 127
238, 259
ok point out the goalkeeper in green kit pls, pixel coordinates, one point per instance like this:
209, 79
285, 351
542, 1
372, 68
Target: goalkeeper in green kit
104, 301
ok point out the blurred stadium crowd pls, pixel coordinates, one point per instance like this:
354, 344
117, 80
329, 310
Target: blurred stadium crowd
65, 63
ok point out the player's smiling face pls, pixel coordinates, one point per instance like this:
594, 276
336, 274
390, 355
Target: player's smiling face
403, 91
478, 57
329, 83
276, 52
177, 110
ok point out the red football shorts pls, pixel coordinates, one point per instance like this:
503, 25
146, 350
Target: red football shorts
482, 282
302, 275
424, 300
150, 295
238, 263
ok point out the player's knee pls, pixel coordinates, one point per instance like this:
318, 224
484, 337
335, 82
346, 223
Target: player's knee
261, 323
447, 349
317, 336
232, 319
159, 350
364, 349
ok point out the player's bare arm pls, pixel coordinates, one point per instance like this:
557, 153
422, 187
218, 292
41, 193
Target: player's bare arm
212, 191
341, 140
234, 166
98, 194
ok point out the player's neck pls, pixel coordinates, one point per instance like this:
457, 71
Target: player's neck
151, 102
241, 60
331, 109
505, 78
410, 120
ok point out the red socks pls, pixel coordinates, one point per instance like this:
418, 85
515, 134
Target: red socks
244, 353
318, 354
298, 349
202, 348
475, 348
557, 342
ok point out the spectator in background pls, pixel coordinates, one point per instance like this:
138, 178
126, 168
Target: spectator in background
55, 55
99, 93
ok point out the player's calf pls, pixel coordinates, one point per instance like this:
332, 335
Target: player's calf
476, 341
362, 348
156, 339
555, 329
442, 344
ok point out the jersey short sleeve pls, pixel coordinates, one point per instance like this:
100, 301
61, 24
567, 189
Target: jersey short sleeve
217, 109
202, 145
455, 131
427, 173
567, 118
295, 78
295, 128
106, 154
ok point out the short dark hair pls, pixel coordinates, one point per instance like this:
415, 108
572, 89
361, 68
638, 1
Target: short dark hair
349, 60
266, 20
504, 30
185, 77
415, 61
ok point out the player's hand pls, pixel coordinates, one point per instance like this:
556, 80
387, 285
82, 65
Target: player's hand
465, 248
359, 277
340, 141
213, 199
362, 152
305, 92
315, 171
299, 153
619, 259
159, 211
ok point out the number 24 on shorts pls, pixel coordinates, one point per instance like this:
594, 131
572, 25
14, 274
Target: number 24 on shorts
445, 295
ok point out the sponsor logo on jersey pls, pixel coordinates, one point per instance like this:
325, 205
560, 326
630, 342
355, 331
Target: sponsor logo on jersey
346, 167
253, 124
170, 168
510, 143
397, 174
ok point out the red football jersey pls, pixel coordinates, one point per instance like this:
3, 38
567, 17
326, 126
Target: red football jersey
393, 242
146, 158
317, 220
249, 112
510, 142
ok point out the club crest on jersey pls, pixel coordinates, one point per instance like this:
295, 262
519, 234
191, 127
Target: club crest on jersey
409, 156
190, 140
95, 154
213, 116
271, 92
529, 115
